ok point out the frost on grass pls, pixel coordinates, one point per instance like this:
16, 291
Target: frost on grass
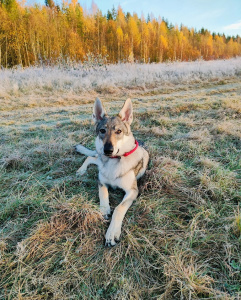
181, 237
199, 135
111, 78
232, 128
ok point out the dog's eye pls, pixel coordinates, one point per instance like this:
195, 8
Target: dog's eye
118, 131
102, 131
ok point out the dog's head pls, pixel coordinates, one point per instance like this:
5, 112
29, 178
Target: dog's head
114, 136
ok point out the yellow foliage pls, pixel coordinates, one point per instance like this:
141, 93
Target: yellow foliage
119, 34
163, 42
29, 34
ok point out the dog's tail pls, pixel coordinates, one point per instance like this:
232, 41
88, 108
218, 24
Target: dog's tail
83, 150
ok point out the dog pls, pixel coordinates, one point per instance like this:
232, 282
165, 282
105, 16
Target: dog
120, 160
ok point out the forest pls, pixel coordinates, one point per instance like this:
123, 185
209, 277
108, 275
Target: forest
35, 34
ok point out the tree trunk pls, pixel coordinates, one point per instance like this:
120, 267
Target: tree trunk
6, 54
0, 56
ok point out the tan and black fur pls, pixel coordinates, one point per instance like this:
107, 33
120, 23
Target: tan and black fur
114, 139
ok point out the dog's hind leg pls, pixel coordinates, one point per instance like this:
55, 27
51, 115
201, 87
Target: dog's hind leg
89, 160
144, 166
113, 233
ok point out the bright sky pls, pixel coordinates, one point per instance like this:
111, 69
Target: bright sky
223, 16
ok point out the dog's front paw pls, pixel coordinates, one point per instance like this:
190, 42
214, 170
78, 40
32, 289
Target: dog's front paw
77, 148
112, 236
107, 217
81, 171
106, 211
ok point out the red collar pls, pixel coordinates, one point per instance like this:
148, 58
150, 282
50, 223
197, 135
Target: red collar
128, 153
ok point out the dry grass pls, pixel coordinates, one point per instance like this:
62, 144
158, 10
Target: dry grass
181, 238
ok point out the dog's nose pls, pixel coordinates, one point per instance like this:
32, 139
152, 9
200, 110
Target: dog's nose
108, 149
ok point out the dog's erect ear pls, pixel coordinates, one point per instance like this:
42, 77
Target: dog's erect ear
98, 111
126, 114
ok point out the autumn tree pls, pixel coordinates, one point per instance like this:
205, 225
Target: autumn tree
50, 33
163, 40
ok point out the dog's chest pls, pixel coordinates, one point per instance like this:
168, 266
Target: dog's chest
113, 170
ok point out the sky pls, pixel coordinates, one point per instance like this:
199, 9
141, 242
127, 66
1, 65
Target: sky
220, 16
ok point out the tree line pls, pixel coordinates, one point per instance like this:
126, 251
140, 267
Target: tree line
31, 34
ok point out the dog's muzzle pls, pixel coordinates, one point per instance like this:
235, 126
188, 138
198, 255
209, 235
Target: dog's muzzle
108, 149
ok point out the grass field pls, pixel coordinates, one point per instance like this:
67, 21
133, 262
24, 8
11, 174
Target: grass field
181, 239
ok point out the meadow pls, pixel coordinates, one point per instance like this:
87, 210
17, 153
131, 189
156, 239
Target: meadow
181, 239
